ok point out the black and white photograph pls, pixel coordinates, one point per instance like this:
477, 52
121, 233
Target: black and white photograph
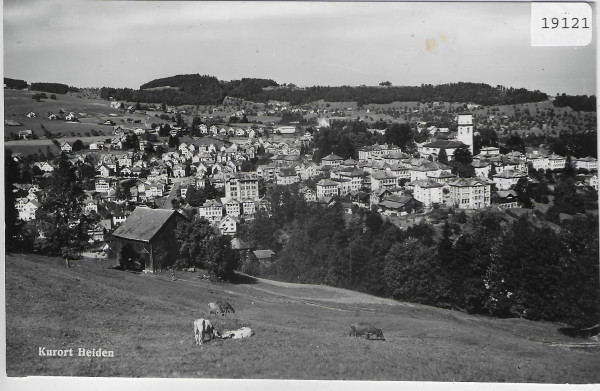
301, 190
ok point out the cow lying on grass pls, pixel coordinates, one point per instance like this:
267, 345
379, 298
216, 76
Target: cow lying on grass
358, 329
243, 332
202, 328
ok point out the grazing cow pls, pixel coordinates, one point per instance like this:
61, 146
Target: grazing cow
203, 327
357, 329
243, 332
225, 306
215, 308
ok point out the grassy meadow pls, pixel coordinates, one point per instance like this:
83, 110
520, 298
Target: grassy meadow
301, 331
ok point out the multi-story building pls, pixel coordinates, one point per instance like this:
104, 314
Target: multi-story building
556, 162
248, 207
470, 193
242, 186
506, 179
327, 188
428, 192
232, 207
268, 172
287, 176
212, 210
383, 180
588, 163
332, 160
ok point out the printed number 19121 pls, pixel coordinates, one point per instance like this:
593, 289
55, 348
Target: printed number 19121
563, 23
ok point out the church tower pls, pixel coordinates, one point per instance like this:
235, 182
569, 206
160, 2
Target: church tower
465, 130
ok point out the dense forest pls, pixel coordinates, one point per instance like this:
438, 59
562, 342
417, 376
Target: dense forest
489, 263
202, 89
55, 88
15, 83
577, 102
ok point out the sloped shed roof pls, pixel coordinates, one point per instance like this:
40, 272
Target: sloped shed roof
263, 254
144, 223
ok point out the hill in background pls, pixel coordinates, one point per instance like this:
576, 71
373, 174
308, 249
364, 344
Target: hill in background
203, 89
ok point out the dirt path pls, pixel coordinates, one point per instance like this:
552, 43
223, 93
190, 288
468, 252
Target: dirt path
322, 293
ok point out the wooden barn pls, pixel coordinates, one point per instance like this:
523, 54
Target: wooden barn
146, 240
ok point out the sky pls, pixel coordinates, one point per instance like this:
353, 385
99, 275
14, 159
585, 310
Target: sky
128, 43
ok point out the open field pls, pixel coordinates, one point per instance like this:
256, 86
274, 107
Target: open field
90, 112
301, 331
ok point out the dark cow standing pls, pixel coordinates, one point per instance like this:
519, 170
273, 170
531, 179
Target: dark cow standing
358, 329
225, 306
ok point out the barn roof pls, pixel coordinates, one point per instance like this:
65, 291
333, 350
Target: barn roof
263, 254
144, 223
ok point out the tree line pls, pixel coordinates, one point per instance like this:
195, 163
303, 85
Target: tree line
55, 88
15, 83
489, 263
204, 90
576, 102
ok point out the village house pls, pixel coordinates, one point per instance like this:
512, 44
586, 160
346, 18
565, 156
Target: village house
327, 188
232, 207
287, 176
105, 171
66, 147
442, 176
482, 168
427, 192
506, 179
25, 134
118, 218
212, 210
376, 151
27, 209
331, 160
268, 172
397, 205
383, 180
179, 171
355, 177
588, 163
489, 151
399, 171
228, 225
309, 194
470, 193
506, 199
96, 146
426, 169
90, 206
248, 207
102, 185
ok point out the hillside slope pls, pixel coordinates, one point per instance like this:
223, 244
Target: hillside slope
301, 331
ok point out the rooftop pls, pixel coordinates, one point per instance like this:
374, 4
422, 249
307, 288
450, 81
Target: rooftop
144, 223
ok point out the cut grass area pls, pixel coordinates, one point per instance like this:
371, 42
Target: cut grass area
147, 321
